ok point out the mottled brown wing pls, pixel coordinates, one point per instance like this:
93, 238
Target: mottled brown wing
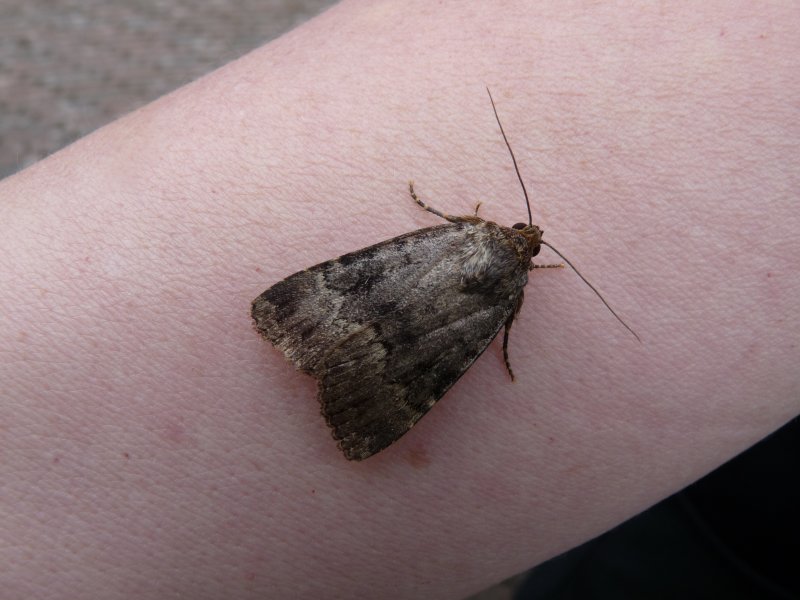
387, 330
309, 312
382, 379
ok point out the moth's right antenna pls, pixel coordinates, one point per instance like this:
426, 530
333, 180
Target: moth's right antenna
594, 289
516, 168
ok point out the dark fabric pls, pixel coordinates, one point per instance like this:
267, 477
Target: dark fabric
735, 534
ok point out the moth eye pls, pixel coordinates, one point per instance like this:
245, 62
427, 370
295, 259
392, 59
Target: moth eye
519, 226
536, 250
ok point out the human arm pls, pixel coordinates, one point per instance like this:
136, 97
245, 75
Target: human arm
152, 443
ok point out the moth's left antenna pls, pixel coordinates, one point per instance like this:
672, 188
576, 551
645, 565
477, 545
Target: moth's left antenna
513, 158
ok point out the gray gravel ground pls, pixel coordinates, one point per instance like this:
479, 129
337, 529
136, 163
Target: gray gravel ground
69, 66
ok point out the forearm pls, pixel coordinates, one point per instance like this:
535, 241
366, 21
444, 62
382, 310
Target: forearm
153, 443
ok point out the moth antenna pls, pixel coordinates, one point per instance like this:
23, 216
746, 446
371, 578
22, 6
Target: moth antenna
594, 289
513, 158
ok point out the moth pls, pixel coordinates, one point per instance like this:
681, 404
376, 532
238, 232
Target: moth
387, 330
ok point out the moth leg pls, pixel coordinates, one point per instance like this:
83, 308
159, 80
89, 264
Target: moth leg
509, 322
430, 209
553, 266
505, 345
477, 207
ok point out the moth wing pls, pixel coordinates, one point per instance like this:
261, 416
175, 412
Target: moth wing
309, 312
382, 379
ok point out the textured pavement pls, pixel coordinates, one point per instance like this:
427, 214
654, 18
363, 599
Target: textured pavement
68, 67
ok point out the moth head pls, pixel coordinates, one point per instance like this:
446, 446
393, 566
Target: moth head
532, 234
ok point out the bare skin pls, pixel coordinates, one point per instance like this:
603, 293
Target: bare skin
153, 446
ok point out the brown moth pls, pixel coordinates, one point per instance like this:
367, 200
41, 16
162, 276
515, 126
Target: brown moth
388, 329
